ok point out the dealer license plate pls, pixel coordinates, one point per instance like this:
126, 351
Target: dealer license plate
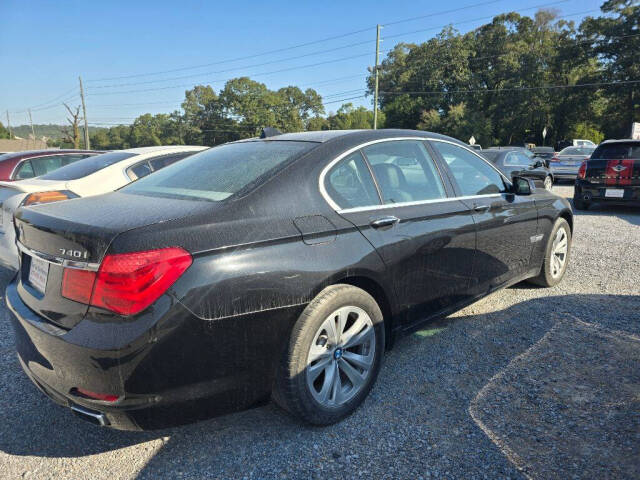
38, 273
614, 193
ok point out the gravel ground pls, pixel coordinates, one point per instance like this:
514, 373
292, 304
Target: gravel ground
527, 383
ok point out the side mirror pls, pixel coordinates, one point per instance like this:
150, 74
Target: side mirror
537, 164
522, 186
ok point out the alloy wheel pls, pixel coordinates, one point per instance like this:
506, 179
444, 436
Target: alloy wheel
341, 356
559, 250
548, 183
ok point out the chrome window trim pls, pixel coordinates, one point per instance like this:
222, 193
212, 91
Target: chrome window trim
337, 207
66, 263
417, 202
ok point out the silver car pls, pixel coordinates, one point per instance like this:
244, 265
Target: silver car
565, 164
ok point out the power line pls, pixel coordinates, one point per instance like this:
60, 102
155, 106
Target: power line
512, 89
292, 47
488, 17
224, 80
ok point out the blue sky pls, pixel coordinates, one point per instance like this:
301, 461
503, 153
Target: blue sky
45, 45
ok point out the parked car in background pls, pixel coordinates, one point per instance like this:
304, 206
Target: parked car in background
516, 163
565, 164
577, 142
545, 153
275, 267
611, 175
87, 177
33, 163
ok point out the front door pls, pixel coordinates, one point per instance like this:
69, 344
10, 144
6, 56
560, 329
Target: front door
506, 223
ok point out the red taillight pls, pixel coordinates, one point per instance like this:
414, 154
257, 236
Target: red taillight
582, 171
104, 397
554, 159
127, 283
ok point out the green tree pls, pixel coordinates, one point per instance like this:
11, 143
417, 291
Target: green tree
4, 133
615, 42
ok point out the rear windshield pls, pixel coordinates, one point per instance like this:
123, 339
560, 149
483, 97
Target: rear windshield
490, 155
577, 151
220, 172
87, 166
618, 151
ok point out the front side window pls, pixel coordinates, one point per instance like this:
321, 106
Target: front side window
349, 183
473, 175
222, 171
404, 171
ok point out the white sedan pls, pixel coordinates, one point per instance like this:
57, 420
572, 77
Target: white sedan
90, 176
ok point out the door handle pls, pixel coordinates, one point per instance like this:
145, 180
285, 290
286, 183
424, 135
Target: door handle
481, 208
384, 222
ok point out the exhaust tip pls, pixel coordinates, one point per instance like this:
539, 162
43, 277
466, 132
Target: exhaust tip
91, 416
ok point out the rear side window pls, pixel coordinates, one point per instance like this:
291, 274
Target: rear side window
349, 183
492, 156
87, 166
166, 160
138, 171
220, 172
25, 171
473, 175
617, 151
404, 171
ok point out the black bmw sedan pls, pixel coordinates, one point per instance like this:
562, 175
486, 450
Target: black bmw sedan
268, 268
519, 162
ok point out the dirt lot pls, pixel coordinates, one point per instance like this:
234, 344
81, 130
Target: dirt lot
528, 383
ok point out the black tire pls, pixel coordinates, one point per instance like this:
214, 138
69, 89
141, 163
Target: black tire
290, 388
546, 278
580, 204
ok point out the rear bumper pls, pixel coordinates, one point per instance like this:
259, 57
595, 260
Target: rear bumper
167, 369
564, 173
597, 193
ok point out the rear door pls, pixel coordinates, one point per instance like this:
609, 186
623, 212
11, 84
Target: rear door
405, 210
506, 223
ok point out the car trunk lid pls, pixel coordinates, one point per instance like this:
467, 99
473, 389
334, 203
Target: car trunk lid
76, 234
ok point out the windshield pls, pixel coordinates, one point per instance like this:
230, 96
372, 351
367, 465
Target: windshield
582, 151
87, 166
220, 172
618, 151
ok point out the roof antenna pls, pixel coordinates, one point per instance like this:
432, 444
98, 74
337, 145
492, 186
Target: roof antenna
270, 132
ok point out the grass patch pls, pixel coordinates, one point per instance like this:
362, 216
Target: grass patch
429, 332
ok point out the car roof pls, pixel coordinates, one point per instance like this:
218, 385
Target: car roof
35, 153
161, 148
326, 136
622, 140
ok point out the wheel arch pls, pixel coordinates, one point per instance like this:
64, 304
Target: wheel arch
568, 216
375, 289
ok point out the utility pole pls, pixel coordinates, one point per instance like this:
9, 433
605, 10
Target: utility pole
84, 114
33, 132
9, 126
375, 94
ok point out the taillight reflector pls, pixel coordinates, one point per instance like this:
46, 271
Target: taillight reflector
127, 283
104, 397
554, 159
78, 284
582, 171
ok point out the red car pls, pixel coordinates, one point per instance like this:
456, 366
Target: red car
33, 163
